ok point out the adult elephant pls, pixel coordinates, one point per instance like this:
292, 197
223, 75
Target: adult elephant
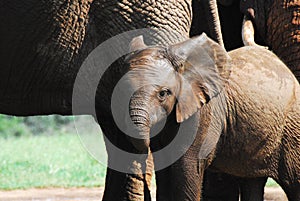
238, 112
44, 43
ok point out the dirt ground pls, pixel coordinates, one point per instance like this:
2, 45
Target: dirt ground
91, 194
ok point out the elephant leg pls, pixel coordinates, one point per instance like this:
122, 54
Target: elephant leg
219, 187
132, 184
291, 190
252, 189
163, 183
294, 194
163, 176
121, 186
187, 176
181, 181
124, 186
114, 189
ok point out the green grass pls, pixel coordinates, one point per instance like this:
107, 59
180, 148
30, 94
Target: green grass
50, 161
47, 161
271, 183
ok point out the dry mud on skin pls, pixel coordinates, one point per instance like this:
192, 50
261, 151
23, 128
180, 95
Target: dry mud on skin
91, 194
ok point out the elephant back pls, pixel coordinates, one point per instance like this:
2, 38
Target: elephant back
262, 79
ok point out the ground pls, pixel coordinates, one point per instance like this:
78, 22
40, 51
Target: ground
92, 194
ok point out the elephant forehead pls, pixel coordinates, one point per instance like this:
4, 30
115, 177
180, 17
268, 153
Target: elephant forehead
153, 72
144, 55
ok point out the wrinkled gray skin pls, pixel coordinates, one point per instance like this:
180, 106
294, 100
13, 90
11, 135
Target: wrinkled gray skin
247, 102
43, 44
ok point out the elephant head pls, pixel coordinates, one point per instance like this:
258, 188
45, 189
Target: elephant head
182, 77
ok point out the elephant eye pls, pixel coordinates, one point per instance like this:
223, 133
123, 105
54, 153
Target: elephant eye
164, 93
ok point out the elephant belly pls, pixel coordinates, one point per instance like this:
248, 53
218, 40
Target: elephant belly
43, 103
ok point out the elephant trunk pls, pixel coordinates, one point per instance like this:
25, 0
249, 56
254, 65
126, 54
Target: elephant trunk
140, 118
213, 17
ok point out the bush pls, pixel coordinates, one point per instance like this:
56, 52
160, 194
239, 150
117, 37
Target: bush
47, 124
12, 126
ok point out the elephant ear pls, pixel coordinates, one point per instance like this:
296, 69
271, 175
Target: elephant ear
203, 66
137, 43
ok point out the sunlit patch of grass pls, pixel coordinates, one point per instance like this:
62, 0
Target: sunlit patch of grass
50, 161
271, 183
47, 161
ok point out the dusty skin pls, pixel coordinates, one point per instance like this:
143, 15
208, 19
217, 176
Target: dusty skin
93, 194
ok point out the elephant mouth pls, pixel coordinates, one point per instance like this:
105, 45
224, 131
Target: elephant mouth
141, 145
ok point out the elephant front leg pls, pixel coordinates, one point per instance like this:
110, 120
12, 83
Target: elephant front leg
121, 186
128, 176
116, 186
252, 189
163, 183
187, 176
292, 190
181, 181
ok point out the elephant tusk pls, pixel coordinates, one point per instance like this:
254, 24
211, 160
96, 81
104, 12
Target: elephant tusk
248, 33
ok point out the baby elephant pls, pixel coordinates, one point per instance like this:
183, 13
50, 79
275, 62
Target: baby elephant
241, 109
